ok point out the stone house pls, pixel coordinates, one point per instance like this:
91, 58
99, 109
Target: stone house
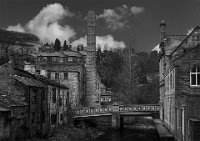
47, 100
106, 97
13, 117
179, 65
67, 68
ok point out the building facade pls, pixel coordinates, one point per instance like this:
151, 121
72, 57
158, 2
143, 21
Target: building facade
67, 68
179, 83
46, 100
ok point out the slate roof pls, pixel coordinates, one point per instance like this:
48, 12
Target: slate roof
28, 81
73, 53
172, 42
186, 37
7, 101
61, 54
41, 79
58, 54
83, 53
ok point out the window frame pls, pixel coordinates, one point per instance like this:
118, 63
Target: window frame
196, 73
57, 74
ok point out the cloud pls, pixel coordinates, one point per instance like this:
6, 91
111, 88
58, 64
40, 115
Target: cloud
156, 48
46, 24
106, 41
117, 18
18, 28
189, 31
137, 10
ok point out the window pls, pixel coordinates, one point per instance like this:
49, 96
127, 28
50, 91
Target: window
61, 117
43, 117
43, 94
60, 102
60, 60
195, 76
65, 76
54, 95
70, 59
49, 59
56, 76
49, 75
54, 59
53, 119
44, 59
34, 95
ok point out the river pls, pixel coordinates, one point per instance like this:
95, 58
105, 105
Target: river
137, 132
129, 135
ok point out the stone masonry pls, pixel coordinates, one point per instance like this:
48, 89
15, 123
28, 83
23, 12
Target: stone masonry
91, 72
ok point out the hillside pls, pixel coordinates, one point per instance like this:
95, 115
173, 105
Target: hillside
16, 44
17, 38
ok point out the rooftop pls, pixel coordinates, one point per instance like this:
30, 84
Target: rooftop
7, 101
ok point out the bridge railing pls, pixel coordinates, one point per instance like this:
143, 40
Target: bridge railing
117, 108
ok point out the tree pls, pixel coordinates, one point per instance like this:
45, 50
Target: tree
57, 46
129, 79
65, 47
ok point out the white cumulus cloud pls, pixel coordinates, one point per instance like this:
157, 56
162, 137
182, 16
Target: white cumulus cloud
18, 28
46, 24
117, 18
156, 48
137, 10
106, 41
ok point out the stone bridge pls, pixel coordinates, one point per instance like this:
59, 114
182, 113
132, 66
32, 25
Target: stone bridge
118, 112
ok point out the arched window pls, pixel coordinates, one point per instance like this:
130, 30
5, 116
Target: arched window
195, 76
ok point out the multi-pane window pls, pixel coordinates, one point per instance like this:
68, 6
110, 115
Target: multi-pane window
56, 76
55, 59
65, 76
53, 119
195, 76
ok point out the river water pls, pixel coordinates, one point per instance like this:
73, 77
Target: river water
129, 135
137, 132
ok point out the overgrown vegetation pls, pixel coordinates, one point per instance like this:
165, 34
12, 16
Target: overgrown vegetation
132, 77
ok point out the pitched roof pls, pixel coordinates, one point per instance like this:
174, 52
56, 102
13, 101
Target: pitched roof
41, 78
8, 101
72, 53
183, 41
171, 43
58, 54
83, 53
28, 81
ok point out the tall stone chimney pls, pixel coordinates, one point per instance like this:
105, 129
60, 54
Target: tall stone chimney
91, 71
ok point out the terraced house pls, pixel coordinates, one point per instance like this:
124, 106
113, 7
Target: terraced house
32, 105
180, 83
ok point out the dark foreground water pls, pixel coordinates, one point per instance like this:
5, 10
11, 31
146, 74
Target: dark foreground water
130, 134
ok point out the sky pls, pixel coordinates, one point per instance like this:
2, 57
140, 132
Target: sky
119, 22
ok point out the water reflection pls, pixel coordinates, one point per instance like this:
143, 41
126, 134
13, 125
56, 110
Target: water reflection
129, 134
